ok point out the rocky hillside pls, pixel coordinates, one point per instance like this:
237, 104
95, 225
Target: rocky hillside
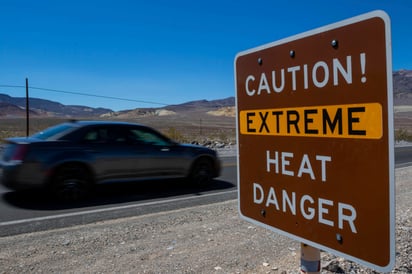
402, 87
16, 107
200, 106
7, 109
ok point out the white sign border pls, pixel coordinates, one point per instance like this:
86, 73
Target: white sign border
385, 17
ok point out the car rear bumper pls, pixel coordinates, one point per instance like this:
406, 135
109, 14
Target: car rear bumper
16, 176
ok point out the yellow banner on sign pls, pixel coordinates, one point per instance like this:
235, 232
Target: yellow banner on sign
359, 121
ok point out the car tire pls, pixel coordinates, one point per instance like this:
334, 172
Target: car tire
201, 173
71, 182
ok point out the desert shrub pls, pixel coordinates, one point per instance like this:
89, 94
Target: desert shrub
403, 135
16, 127
174, 134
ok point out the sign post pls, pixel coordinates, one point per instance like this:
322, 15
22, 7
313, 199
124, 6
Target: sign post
315, 138
309, 259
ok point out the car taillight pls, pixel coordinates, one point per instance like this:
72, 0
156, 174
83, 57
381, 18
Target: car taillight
19, 153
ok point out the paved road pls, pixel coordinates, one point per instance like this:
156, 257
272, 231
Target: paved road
403, 156
31, 211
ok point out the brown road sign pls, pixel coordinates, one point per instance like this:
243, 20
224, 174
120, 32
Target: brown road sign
315, 138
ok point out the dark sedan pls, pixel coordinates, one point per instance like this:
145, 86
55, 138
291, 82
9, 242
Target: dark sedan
71, 157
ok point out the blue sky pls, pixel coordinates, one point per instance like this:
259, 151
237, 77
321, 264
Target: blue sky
164, 52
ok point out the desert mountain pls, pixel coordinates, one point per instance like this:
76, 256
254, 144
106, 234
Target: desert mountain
15, 106
402, 87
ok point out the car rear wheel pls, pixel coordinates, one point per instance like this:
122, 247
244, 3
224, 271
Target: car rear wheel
202, 172
71, 182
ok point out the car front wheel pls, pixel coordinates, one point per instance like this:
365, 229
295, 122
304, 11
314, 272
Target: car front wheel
202, 172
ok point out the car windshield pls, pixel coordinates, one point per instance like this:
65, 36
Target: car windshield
53, 132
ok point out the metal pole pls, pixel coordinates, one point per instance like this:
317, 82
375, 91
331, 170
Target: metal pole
27, 107
309, 259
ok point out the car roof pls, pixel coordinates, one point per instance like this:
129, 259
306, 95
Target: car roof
101, 122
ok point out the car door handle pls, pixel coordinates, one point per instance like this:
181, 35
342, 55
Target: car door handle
165, 149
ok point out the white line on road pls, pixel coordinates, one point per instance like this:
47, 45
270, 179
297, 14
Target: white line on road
108, 209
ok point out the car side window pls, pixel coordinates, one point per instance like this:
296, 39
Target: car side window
91, 136
97, 135
119, 135
149, 138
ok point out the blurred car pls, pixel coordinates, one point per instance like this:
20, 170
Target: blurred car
71, 157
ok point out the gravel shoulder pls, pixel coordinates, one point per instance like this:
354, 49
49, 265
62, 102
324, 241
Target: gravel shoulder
203, 239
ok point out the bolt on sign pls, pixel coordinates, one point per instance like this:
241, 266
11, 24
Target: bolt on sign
315, 138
